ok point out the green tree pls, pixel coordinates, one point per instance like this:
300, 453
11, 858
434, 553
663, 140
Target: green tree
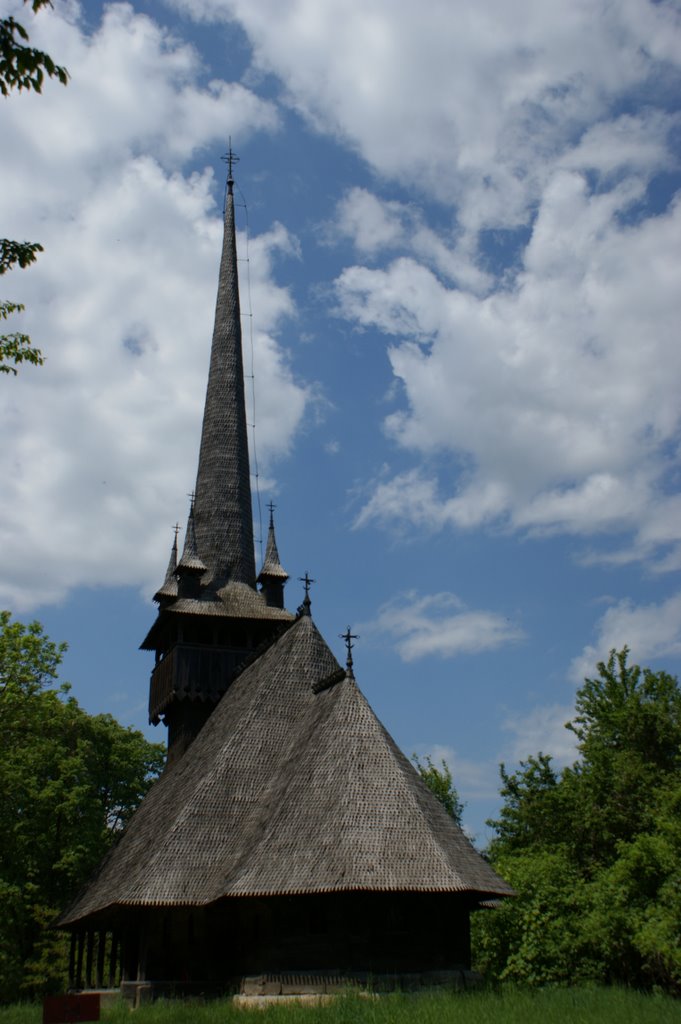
439, 781
536, 938
22, 67
69, 782
628, 725
633, 923
530, 815
594, 851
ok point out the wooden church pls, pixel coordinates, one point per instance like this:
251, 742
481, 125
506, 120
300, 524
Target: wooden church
288, 836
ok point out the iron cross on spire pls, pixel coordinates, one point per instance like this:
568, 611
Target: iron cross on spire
307, 582
230, 159
349, 636
271, 506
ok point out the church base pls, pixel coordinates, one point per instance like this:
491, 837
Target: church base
318, 984
314, 986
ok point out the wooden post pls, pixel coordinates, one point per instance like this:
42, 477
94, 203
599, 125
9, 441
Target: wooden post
142, 953
112, 960
88, 958
101, 950
79, 969
72, 961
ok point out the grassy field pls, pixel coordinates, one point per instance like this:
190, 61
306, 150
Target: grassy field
549, 1006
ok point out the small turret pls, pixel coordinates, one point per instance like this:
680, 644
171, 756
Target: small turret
168, 591
190, 568
272, 577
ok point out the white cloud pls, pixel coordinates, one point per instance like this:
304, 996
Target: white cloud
472, 103
104, 437
649, 631
133, 86
634, 142
440, 624
372, 224
377, 225
542, 730
554, 385
559, 396
473, 779
549, 383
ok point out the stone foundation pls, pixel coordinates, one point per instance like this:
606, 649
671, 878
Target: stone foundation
329, 983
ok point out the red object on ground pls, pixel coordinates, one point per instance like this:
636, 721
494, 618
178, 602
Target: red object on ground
71, 1009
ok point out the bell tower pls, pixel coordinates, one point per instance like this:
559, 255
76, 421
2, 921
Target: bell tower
211, 616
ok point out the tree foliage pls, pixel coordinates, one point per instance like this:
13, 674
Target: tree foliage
16, 347
21, 253
594, 851
69, 782
22, 67
439, 781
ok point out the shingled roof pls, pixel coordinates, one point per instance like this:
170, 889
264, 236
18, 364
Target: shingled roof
293, 786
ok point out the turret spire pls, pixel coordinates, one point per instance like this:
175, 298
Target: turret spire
272, 576
168, 590
190, 568
222, 511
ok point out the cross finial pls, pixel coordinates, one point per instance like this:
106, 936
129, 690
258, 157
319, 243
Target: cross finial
230, 159
192, 499
271, 506
307, 582
176, 528
349, 636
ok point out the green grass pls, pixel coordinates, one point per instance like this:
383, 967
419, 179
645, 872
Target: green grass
510, 1006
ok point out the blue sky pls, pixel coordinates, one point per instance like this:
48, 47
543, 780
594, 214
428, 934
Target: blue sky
463, 271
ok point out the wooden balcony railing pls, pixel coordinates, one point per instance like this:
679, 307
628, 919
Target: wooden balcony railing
191, 672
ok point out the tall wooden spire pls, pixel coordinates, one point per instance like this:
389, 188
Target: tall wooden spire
211, 614
222, 508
